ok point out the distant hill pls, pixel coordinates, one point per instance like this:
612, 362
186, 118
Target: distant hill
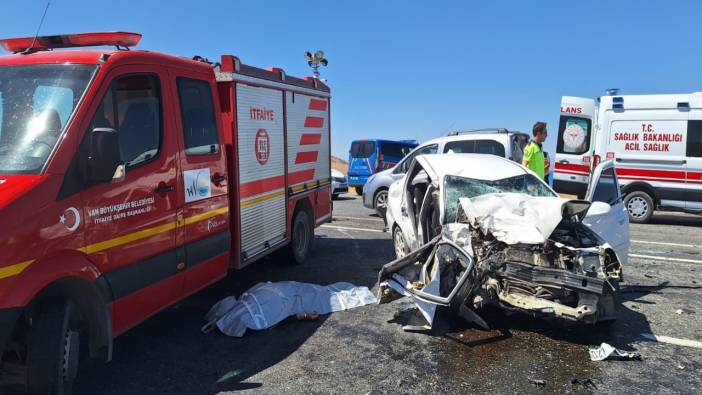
339, 164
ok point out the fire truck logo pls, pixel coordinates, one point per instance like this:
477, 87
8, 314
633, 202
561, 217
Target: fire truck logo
70, 219
262, 146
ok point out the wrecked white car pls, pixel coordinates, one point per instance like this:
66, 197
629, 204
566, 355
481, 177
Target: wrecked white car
477, 230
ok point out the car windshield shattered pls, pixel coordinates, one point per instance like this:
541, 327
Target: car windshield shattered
457, 187
36, 102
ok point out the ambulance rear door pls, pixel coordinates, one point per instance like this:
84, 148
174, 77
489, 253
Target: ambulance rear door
575, 143
261, 166
694, 154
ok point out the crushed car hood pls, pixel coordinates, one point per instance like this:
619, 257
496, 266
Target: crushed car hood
516, 218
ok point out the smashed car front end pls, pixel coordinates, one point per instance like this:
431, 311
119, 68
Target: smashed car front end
524, 254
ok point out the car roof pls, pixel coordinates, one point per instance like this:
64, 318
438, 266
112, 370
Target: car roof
472, 136
477, 166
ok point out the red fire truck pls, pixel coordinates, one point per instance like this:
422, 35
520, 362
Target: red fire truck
132, 179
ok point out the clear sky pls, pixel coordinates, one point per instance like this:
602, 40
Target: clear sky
405, 69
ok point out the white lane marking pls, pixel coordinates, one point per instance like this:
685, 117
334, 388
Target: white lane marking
349, 228
666, 244
672, 340
663, 258
359, 218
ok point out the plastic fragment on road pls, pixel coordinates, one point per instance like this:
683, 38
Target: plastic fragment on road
605, 351
538, 382
266, 304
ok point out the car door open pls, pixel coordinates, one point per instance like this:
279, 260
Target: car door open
613, 224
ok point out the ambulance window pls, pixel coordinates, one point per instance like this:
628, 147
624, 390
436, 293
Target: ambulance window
573, 135
694, 138
132, 106
197, 116
606, 189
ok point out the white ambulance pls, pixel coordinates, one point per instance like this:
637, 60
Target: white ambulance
655, 140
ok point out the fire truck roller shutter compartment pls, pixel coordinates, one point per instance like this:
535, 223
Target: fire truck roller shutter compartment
308, 148
261, 146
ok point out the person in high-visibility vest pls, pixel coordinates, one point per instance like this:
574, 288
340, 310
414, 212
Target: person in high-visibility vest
533, 153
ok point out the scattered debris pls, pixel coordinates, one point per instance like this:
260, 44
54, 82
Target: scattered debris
538, 382
266, 304
586, 382
307, 316
605, 351
684, 311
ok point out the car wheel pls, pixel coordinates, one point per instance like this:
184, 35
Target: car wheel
398, 239
335, 196
381, 202
302, 236
53, 349
640, 206
359, 191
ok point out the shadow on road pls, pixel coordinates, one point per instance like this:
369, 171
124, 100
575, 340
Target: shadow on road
169, 354
676, 219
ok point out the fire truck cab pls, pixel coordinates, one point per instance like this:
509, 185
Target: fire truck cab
132, 179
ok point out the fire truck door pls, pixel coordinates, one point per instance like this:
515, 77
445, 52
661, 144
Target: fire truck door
261, 159
203, 233
130, 225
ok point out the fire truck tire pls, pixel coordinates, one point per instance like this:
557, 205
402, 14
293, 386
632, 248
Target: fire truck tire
302, 236
640, 206
53, 349
359, 191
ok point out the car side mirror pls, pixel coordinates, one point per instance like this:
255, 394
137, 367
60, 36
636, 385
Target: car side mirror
104, 164
599, 208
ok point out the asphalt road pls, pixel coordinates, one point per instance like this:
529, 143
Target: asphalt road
365, 350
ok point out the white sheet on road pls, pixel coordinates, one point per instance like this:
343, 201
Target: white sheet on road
266, 304
514, 217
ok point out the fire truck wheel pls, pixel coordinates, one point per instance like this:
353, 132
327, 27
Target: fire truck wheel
53, 350
640, 206
359, 191
302, 236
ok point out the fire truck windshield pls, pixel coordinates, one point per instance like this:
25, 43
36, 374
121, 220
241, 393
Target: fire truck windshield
36, 102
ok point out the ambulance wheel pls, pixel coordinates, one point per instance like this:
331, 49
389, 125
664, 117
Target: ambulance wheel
359, 191
640, 206
53, 349
302, 236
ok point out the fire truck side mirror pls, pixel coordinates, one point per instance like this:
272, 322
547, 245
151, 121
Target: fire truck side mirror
104, 164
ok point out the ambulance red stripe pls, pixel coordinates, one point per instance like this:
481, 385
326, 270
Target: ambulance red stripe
306, 157
647, 173
318, 105
310, 138
572, 168
297, 177
261, 186
314, 122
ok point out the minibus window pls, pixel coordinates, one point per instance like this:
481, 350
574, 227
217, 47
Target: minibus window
573, 135
362, 149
